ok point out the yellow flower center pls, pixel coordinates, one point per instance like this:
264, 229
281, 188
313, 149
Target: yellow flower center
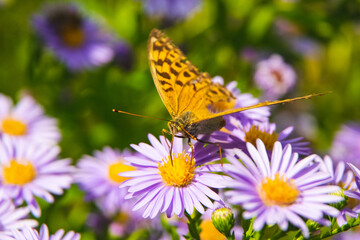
209, 232
267, 138
278, 191
18, 172
179, 172
116, 168
12, 126
277, 75
72, 36
122, 218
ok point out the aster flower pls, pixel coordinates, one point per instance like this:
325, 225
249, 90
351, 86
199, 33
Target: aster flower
354, 195
280, 190
171, 9
29, 169
243, 100
98, 176
32, 234
274, 76
343, 179
27, 120
248, 133
75, 40
346, 144
12, 218
172, 185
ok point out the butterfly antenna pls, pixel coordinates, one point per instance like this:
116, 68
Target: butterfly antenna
138, 115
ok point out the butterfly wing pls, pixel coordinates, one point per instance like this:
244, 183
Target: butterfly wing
181, 86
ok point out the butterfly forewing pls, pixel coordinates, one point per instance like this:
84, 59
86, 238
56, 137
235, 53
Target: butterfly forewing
180, 84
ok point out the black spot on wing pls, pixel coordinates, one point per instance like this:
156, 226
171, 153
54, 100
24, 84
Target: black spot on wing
163, 74
179, 83
186, 74
170, 89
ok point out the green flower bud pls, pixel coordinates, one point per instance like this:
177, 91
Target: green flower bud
223, 220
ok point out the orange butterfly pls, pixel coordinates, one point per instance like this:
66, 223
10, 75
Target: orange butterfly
195, 103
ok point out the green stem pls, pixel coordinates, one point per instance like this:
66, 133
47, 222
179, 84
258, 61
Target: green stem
193, 224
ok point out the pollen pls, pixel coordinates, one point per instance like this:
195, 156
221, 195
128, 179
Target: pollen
278, 191
14, 127
255, 132
72, 36
178, 172
116, 168
209, 232
18, 172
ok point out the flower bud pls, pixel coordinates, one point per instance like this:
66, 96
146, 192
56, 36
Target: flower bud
223, 220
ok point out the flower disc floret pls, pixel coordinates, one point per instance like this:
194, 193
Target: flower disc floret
14, 127
178, 171
278, 191
18, 172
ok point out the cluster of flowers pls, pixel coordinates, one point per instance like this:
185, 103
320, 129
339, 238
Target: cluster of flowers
29, 167
272, 177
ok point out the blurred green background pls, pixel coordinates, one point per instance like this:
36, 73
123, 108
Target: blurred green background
215, 38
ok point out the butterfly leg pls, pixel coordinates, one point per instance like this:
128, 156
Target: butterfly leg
171, 145
192, 148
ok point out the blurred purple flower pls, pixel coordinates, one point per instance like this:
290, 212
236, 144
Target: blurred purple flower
74, 39
243, 100
161, 184
32, 234
280, 190
26, 120
171, 9
98, 176
29, 169
274, 77
346, 144
12, 218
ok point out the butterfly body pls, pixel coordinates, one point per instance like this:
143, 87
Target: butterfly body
188, 127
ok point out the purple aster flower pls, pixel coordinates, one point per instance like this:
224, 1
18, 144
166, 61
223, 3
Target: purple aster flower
354, 195
274, 77
29, 169
32, 234
27, 120
281, 190
249, 133
343, 179
74, 39
12, 218
171, 9
172, 185
346, 144
244, 100
98, 177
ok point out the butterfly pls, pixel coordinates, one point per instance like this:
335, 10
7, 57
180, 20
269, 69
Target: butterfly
195, 103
